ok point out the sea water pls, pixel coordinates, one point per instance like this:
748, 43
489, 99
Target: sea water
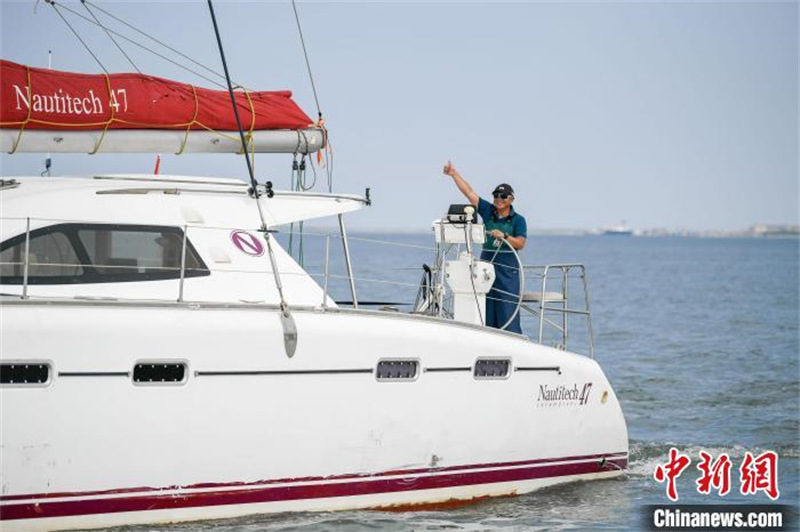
698, 336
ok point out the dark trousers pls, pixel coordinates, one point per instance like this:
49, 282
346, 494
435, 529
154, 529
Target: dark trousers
501, 301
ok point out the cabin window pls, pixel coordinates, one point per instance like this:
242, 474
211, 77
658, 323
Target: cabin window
24, 373
159, 372
99, 253
492, 368
49, 255
397, 370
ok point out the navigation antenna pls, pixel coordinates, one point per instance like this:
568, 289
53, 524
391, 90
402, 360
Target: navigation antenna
287, 321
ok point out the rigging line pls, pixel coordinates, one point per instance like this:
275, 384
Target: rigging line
287, 321
329, 168
305, 53
52, 3
253, 181
111, 37
468, 238
302, 170
328, 153
162, 56
165, 45
295, 167
313, 170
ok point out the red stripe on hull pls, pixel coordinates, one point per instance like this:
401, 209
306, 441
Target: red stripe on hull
143, 489
291, 493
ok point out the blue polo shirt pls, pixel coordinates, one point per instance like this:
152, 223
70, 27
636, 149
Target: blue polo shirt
513, 225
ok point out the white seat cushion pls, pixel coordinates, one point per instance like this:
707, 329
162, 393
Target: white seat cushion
548, 296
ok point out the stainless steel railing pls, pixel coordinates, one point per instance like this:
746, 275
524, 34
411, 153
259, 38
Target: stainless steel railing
546, 303
543, 308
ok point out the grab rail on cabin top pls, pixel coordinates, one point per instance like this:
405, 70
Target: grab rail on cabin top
545, 302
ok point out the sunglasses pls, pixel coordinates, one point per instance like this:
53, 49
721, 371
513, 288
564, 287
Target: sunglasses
501, 196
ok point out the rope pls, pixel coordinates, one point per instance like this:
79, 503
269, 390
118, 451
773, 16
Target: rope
305, 54
328, 161
468, 238
108, 122
320, 121
292, 187
194, 120
188, 125
253, 181
249, 136
168, 47
52, 3
30, 110
301, 176
162, 56
302, 185
111, 37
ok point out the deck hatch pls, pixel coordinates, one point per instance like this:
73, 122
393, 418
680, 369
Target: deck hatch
22, 373
492, 368
159, 372
397, 370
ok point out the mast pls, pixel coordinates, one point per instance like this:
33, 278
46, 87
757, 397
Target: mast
287, 321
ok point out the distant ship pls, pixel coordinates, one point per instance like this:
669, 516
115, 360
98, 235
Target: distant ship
618, 230
774, 230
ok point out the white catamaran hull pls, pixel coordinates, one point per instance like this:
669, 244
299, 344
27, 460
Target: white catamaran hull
252, 431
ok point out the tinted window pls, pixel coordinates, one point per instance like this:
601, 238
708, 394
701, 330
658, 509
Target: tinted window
114, 251
94, 253
50, 255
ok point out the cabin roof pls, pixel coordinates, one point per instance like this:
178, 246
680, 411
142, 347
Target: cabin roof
161, 200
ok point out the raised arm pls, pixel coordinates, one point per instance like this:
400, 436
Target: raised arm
461, 183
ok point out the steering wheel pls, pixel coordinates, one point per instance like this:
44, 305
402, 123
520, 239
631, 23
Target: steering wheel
520, 272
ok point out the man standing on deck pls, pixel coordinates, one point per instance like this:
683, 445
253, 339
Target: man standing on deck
505, 228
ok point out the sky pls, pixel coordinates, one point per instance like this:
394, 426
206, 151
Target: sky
662, 114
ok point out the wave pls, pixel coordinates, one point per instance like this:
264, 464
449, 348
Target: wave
645, 456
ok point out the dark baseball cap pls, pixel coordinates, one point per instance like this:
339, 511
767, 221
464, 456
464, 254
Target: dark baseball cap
503, 188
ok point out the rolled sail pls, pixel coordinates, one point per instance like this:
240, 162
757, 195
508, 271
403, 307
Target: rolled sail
47, 110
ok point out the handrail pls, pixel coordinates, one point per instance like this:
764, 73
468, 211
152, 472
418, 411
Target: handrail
27, 258
327, 265
323, 277
565, 269
183, 264
343, 232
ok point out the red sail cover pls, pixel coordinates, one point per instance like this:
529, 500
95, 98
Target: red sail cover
36, 98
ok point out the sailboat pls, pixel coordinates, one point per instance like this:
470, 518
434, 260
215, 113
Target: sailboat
164, 359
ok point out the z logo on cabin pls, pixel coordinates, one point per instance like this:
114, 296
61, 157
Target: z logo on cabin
247, 243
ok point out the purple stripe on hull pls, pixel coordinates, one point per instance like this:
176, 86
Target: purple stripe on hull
396, 472
290, 493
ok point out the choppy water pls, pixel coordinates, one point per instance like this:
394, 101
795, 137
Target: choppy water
699, 338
